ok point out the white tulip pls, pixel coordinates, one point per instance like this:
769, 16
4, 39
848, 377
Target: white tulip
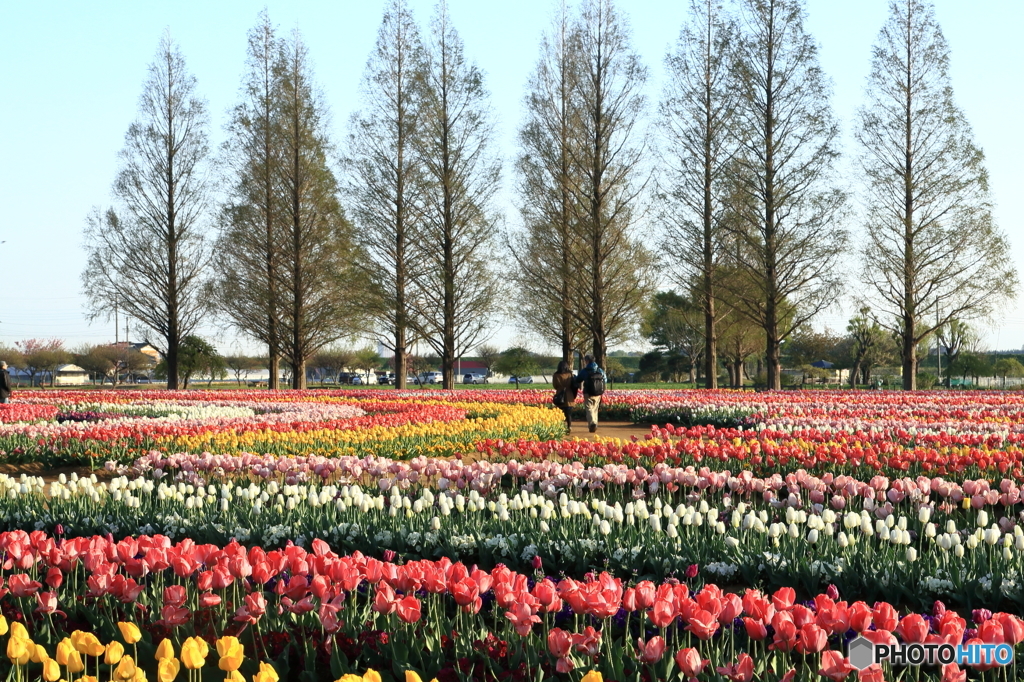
958, 551
911, 554
924, 514
982, 518
812, 536
732, 543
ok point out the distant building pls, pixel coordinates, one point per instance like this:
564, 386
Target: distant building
65, 375
144, 348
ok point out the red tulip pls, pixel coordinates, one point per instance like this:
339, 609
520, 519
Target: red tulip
914, 629
702, 624
690, 662
812, 639
587, 642
756, 629
651, 651
385, 601
409, 609
522, 618
834, 666
741, 671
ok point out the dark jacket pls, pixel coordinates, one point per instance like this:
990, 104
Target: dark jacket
564, 383
5, 384
585, 373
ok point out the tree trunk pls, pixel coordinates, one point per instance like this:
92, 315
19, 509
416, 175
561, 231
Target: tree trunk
909, 354
854, 373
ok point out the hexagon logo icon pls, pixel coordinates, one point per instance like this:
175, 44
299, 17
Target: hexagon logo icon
861, 652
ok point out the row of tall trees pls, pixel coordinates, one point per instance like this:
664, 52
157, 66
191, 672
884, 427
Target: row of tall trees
754, 209
583, 272
742, 164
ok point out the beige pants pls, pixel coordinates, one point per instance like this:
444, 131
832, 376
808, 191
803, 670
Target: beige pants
591, 403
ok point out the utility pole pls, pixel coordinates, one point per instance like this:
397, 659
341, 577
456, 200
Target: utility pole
117, 325
938, 344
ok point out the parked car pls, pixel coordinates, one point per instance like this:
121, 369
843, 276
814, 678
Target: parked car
474, 379
385, 378
357, 380
522, 380
432, 377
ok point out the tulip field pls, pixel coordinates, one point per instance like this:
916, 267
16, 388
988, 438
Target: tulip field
374, 535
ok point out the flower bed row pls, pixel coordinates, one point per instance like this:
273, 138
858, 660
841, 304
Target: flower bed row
911, 552
122, 431
300, 608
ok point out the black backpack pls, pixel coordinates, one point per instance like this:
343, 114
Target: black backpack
594, 384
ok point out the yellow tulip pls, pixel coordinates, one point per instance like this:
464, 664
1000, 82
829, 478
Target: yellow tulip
87, 678
87, 643
3, 625
39, 653
130, 632
18, 630
64, 649
231, 653
18, 650
412, 676
75, 664
349, 677
140, 675
234, 676
593, 676
125, 669
371, 675
167, 669
164, 650
113, 654
266, 674
51, 670
193, 653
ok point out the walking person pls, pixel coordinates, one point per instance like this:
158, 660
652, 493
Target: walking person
5, 383
591, 378
565, 392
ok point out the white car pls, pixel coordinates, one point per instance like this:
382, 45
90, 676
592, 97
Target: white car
521, 380
432, 377
474, 379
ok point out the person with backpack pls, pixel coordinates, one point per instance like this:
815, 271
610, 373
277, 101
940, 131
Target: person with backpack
591, 378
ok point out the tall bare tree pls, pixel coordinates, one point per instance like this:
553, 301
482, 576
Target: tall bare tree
697, 122
320, 285
611, 264
787, 229
933, 252
455, 288
247, 287
546, 281
151, 258
385, 182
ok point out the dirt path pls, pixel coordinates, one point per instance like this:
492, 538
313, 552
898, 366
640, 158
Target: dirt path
623, 430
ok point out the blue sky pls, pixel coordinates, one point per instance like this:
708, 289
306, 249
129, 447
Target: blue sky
71, 74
